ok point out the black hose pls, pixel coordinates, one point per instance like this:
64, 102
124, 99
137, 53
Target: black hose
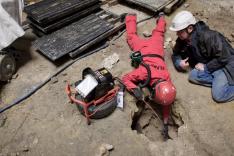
145, 65
119, 80
148, 75
34, 89
146, 103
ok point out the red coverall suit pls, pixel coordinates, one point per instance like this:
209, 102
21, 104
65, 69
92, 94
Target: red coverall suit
152, 45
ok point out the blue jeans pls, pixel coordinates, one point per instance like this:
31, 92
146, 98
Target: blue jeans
220, 88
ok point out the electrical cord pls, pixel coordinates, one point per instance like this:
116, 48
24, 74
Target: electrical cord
146, 103
36, 88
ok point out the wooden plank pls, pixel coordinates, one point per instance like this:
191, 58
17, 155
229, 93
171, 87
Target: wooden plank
172, 6
65, 21
152, 5
112, 3
109, 2
69, 38
50, 10
80, 50
118, 25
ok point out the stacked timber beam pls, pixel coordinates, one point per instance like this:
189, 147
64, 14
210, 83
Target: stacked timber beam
157, 5
109, 2
49, 15
77, 37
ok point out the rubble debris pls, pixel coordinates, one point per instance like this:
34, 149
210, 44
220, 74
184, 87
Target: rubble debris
230, 39
64, 74
167, 42
109, 147
3, 119
172, 44
35, 141
54, 80
104, 150
176, 115
110, 61
186, 5
232, 34
25, 149
147, 33
15, 76
168, 39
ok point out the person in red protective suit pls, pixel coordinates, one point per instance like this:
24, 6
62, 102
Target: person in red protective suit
152, 51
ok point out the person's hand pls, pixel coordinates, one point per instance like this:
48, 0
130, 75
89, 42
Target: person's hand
184, 64
138, 94
200, 66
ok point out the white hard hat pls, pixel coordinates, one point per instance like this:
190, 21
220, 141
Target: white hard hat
182, 20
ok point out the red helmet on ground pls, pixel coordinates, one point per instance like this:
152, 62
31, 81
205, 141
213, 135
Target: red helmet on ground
165, 93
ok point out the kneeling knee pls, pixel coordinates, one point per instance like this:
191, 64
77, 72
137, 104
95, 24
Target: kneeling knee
219, 98
193, 76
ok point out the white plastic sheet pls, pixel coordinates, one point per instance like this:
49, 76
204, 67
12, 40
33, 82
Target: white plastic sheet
10, 30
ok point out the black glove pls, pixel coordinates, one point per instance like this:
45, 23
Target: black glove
165, 132
138, 94
123, 16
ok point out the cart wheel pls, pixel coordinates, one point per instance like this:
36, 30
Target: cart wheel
7, 67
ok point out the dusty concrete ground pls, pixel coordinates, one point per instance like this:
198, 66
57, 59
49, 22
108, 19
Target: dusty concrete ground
47, 124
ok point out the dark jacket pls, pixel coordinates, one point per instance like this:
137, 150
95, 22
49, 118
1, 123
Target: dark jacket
208, 47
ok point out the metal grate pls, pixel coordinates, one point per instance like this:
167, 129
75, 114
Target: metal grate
73, 36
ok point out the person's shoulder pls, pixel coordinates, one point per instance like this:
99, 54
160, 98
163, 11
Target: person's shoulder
204, 28
201, 26
204, 31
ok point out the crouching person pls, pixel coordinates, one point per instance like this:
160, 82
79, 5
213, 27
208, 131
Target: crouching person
207, 52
